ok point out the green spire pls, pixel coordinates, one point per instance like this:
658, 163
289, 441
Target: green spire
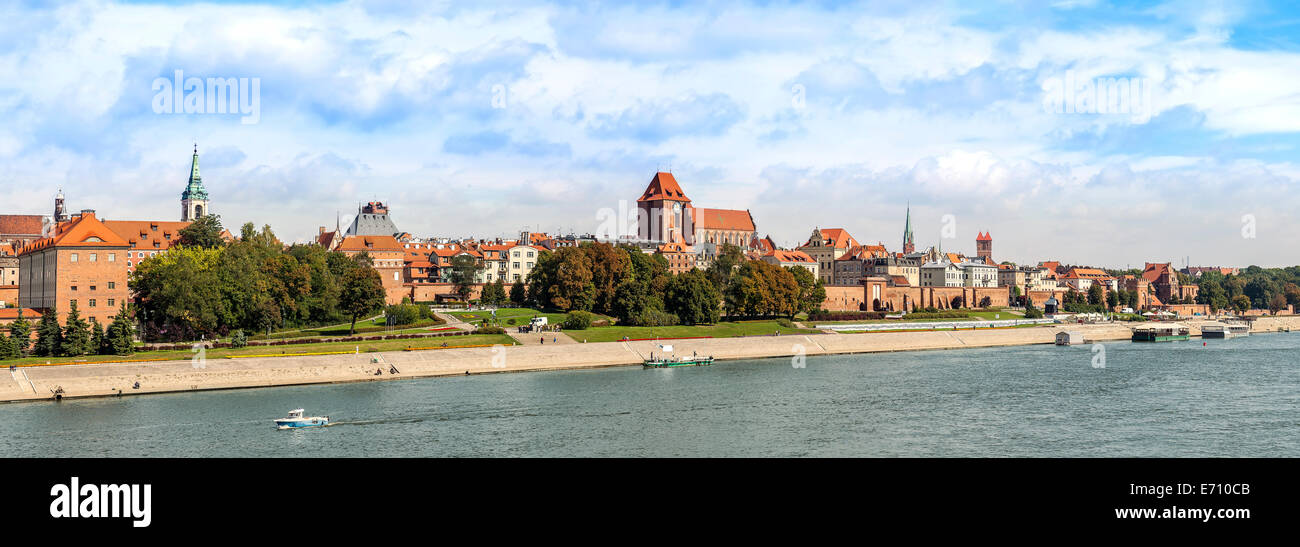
195, 190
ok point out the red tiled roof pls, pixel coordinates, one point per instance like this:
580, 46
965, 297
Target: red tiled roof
147, 234
664, 186
789, 256
20, 225
82, 231
1153, 271
835, 237
863, 252
371, 243
983, 237
11, 314
723, 219
900, 281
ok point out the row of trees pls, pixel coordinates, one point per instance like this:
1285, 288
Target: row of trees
75, 338
638, 289
206, 287
1272, 289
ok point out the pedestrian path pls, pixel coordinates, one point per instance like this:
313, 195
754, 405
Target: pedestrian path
540, 338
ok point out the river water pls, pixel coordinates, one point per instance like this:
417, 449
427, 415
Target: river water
1238, 397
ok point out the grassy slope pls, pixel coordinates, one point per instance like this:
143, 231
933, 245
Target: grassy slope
723, 329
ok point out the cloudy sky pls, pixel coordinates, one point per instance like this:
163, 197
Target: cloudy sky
484, 121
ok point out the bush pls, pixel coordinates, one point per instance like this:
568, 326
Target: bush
823, 315
653, 318
578, 320
403, 314
490, 330
512, 321
238, 339
1033, 313
785, 323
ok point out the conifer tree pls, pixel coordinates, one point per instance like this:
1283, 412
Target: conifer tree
76, 334
121, 334
97, 341
49, 337
20, 333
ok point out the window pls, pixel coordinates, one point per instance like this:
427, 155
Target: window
395, 278
515, 265
92, 287
110, 302
112, 285
72, 302
72, 257
74, 287
112, 257
92, 302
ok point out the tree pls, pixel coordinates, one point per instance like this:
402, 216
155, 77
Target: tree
812, 292
20, 333
76, 334
1112, 299
1096, 294
518, 295
1241, 303
1277, 303
562, 280
494, 294
204, 232
721, 270
761, 289
692, 298
8, 347
121, 333
609, 266
49, 335
363, 293
464, 269
98, 344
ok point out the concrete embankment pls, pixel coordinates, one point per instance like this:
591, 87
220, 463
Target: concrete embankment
91, 380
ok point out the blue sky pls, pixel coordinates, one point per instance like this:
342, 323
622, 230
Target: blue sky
486, 119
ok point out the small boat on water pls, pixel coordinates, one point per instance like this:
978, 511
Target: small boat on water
1225, 330
296, 420
669, 361
1163, 332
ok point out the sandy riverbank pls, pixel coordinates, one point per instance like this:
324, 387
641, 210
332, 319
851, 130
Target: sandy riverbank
97, 380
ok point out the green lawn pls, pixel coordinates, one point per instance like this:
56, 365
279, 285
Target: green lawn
365, 347
375, 325
723, 329
521, 316
987, 315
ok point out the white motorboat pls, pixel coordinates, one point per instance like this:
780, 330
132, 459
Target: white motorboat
296, 420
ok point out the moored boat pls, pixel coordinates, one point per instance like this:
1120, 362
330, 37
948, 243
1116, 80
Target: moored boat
1165, 332
296, 420
665, 360
1225, 330
668, 362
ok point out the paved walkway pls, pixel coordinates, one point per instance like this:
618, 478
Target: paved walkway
451, 321
535, 338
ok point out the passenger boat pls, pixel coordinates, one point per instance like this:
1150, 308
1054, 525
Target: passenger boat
669, 361
1225, 330
297, 420
1168, 332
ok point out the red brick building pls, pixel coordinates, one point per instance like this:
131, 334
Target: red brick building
83, 262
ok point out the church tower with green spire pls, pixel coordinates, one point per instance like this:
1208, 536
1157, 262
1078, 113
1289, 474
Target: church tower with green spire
908, 244
194, 200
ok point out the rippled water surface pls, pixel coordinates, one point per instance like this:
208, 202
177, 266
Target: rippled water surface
1238, 397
